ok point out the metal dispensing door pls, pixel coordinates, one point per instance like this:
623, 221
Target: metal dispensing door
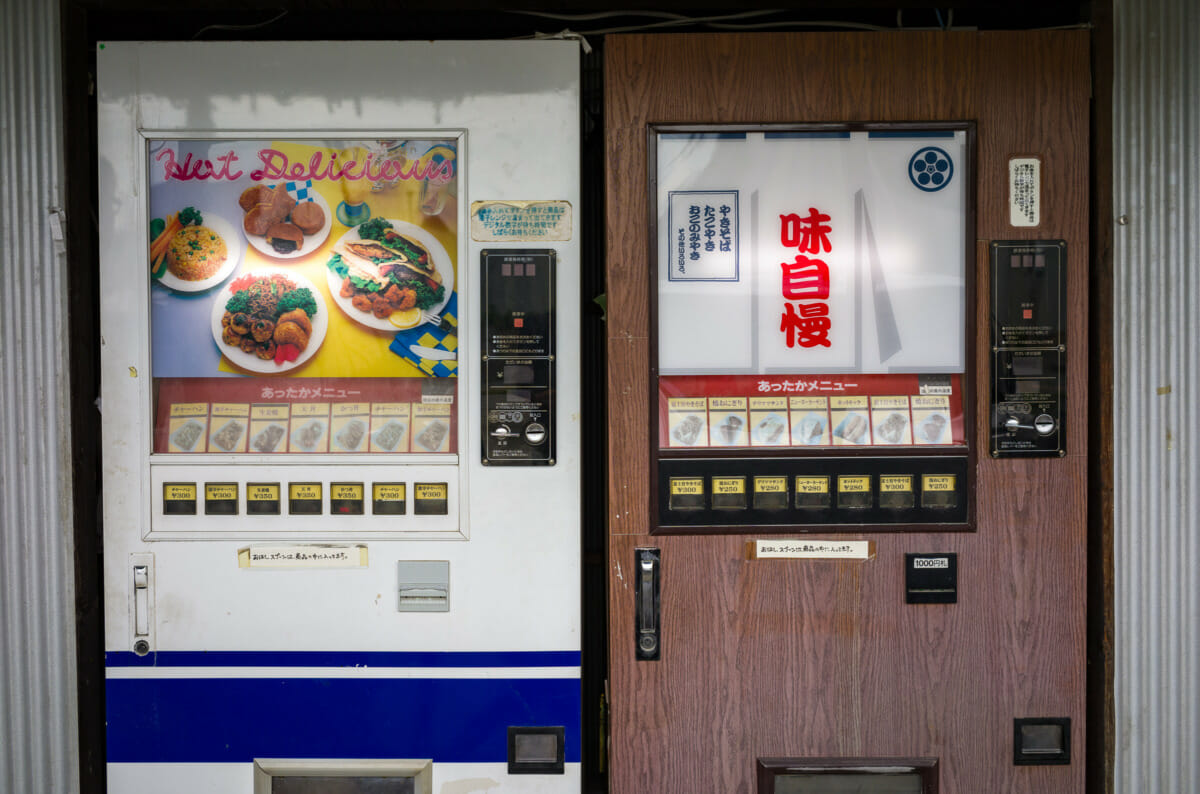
847, 304
340, 416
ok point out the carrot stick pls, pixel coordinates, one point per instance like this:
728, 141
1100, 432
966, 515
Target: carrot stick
158, 247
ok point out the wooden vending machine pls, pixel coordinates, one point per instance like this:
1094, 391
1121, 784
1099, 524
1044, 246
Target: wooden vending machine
340, 416
847, 280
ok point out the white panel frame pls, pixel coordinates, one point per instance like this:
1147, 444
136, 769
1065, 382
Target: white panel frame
489, 89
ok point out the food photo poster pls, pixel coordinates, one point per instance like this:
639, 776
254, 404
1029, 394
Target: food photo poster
301, 258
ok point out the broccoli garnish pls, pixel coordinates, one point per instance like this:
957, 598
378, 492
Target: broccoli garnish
374, 229
240, 302
301, 298
190, 216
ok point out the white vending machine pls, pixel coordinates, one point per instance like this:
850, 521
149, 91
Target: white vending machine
339, 321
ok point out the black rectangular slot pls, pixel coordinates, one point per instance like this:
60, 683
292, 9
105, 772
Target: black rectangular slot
1041, 741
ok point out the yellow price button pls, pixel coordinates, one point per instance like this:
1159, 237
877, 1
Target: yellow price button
179, 492
854, 484
895, 483
687, 486
305, 491
937, 482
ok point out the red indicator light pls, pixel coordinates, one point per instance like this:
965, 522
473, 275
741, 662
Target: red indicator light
518, 322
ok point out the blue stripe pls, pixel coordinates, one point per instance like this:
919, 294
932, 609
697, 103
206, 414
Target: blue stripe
235, 720
913, 134
702, 136
345, 659
791, 136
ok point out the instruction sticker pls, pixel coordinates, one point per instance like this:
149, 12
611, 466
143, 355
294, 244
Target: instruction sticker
520, 221
811, 549
303, 556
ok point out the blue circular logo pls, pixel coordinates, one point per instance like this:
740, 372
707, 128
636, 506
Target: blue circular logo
930, 169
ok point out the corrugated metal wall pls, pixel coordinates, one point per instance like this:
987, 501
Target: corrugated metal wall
1156, 135
38, 745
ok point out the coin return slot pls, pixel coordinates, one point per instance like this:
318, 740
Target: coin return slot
319, 784
854, 492
729, 493
262, 498
346, 498
431, 499
846, 776
179, 499
342, 775
388, 499
423, 585
304, 498
687, 493
220, 499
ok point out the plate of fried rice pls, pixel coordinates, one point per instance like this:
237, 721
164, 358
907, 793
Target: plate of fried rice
201, 257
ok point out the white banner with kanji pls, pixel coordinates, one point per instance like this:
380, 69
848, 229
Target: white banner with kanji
801, 251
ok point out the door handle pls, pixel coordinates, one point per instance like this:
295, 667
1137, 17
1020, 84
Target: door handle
141, 600
647, 602
141, 607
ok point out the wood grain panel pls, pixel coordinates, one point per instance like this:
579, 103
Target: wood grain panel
810, 658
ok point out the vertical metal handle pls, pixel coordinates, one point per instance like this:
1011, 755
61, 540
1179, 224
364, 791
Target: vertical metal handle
648, 568
141, 600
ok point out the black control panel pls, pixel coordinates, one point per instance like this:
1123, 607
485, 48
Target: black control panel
1028, 348
518, 357
846, 494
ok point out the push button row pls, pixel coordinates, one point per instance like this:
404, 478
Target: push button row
305, 498
814, 492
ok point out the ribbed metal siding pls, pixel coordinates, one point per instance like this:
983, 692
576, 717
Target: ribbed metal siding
38, 745
1157, 437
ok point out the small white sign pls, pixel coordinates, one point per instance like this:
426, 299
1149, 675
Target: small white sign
813, 549
1024, 191
931, 562
703, 228
309, 555
520, 221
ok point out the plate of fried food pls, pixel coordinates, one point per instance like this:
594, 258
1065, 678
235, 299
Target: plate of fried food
269, 321
193, 250
282, 226
389, 275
